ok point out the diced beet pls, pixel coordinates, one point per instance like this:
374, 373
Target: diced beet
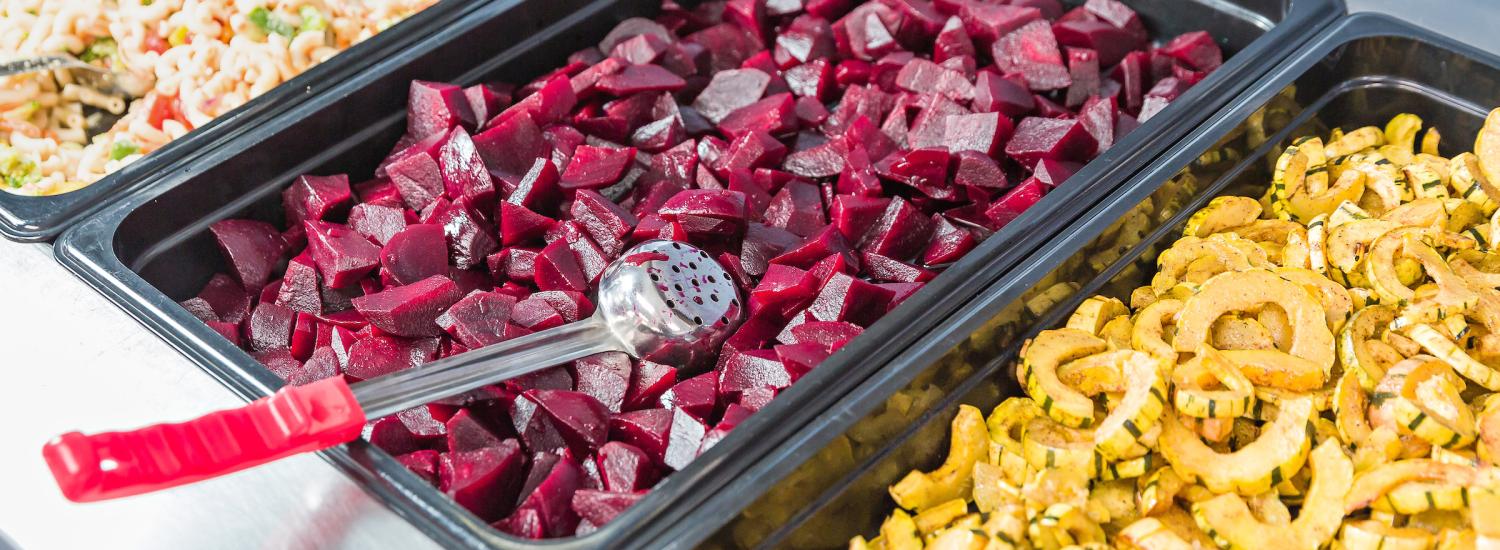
468, 235
557, 268
1099, 116
853, 214
1112, 43
729, 91
1053, 173
702, 205
420, 422
648, 430
1031, 50
949, 243
772, 115
1131, 74
978, 170
304, 336
632, 27
952, 41
889, 270
796, 208
424, 463
230, 301
536, 314
342, 255
647, 383
829, 334
998, 94
844, 298
752, 369
596, 167
695, 395
511, 146
1016, 201
685, 438
316, 197
525, 523
549, 103
825, 243
478, 320
572, 306
483, 480
463, 171
251, 247
486, 100
1195, 49
581, 420
900, 232
410, 310
624, 468
299, 288
435, 107
600, 507
418, 179
519, 225
1038, 138
1083, 68
377, 222
923, 76
416, 253
987, 22
982, 132
270, 327
199, 309
640, 78
605, 377
374, 356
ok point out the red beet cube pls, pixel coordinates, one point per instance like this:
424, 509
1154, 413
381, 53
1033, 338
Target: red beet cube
410, 310
1031, 50
1037, 138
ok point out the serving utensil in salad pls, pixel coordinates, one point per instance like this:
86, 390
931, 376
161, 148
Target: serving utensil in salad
661, 300
101, 80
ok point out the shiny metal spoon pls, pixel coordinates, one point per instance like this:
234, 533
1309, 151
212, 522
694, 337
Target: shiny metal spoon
665, 301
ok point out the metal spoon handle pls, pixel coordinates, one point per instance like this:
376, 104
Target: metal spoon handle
449, 376
42, 63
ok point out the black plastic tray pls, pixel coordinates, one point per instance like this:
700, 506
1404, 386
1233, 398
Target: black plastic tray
35, 219
828, 483
152, 248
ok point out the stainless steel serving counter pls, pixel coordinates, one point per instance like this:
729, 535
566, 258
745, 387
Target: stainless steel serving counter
72, 361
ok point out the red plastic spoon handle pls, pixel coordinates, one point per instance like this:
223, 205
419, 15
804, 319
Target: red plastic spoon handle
296, 419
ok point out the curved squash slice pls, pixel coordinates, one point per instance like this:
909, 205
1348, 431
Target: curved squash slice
1118, 435
1040, 359
1148, 333
1245, 290
1354, 351
970, 443
1150, 534
1349, 405
1095, 312
1221, 214
1231, 402
1369, 534
1048, 445
1438, 344
1375, 482
1277, 454
1431, 407
1227, 518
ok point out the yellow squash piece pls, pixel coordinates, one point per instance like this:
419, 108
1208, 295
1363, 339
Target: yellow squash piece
1277, 454
1431, 407
1095, 312
1370, 534
1040, 359
1375, 482
1228, 519
1231, 402
1118, 435
1245, 290
1438, 344
919, 490
1221, 214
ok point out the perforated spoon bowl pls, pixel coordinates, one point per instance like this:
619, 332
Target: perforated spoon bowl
664, 301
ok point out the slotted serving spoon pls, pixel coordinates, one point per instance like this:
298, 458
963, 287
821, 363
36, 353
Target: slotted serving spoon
662, 300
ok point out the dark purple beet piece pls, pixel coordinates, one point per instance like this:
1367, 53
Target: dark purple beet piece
606, 222
1032, 51
486, 100
889, 270
315, 197
230, 301
519, 224
1038, 138
695, 395
299, 288
949, 243
1016, 201
640, 78
572, 306
640, 49
1196, 49
600, 507
730, 90
844, 298
625, 468
549, 103
483, 480
515, 264
773, 115
424, 463
415, 253
422, 424
377, 355
596, 167
525, 523
923, 76
200, 309
251, 247
647, 383
829, 334
468, 235
537, 188
410, 310
1083, 68
270, 327
510, 145
557, 268
997, 94
377, 222
536, 314
1099, 116
434, 107
753, 149
982, 132
727, 206
392, 436
466, 433
538, 431
605, 377
418, 179
821, 245
1054, 172
952, 41
752, 369
343, 256
463, 171
762, 243
986, 22
796, 208
1131, 74
900, 232
1112, 43
648, 430
582, 420
684, 440
478, 320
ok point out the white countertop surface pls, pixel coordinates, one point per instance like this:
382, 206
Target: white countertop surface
75, 362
